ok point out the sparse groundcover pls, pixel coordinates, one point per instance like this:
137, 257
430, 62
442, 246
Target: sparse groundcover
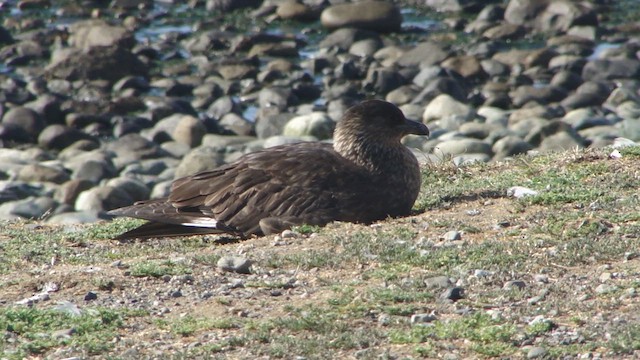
553, 273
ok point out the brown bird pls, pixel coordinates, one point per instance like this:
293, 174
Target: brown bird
366, 175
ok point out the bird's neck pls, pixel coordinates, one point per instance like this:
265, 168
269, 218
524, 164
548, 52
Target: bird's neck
376, 154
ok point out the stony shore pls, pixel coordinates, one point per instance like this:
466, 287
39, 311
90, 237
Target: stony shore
106, 103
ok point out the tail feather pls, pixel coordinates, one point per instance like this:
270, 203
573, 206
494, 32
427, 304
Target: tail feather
154, 229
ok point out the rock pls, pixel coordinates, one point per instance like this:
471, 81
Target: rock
90, 296
453, 294
514, 285
468, 6
102, 198
235, 264
58, 137
94, 171
68, 192
42, 173
519, 192
466, 65
378, 16
318, 125
438, 282
200, 159
87, 34
539, 94
562, 15
136, 189
26, 119
230, 5
611, 69
276, 97
452, 235
444, 106
521, 12
509, 146
382, 80
537, 352
294, 10
423, 54
108, 63
423, 318
345, 38
469, 159
189, 130
29, 208
366, 47
236, 124
462, 146
272, 125
132, 148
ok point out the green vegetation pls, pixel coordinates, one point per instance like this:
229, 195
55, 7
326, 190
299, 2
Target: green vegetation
349, 289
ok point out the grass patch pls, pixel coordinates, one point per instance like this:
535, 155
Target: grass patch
158, 268
32, 331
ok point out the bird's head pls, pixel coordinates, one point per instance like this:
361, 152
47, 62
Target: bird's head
376, 120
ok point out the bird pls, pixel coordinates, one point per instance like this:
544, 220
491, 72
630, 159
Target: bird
365, 175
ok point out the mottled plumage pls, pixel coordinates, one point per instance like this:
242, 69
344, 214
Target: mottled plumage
366, 175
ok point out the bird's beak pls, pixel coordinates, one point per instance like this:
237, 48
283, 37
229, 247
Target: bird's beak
416, 128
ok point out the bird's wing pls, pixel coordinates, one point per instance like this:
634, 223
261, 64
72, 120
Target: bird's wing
291, 184
302, 182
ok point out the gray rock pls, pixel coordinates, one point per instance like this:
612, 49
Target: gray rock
509, 146
132, 148
87, 34
272, 125
452, 235
462, 146
561, 141
236, 124
200, 159
318, 125
536, 352
446, 106
423, 318
344, 38
59, 137
29, 208
107, 63
469, 159
136, 189
230, 5
438, 282
366, 47
102, 198
68, 192
293, 10
76, 217
378, 16
523, 11
514, 285
161, 189
402, 95
539, 94
94, 171
40, 173
235, 264
452, 294
611, 69
424, 54
519, 192
562, 15
189, 130
276, 97
26, 119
